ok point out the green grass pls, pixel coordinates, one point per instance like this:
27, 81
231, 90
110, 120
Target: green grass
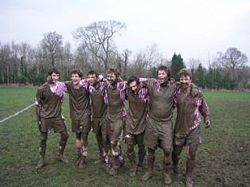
14, 99
222, 160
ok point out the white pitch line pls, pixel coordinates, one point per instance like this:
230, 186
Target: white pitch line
17, 113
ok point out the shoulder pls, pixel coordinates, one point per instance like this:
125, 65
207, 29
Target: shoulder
43, 86
61, 85
196, 91
122, 84
67, 83
84, 83
151, 82
173, 83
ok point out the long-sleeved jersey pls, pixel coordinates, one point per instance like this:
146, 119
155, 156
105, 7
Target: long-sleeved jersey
189, 107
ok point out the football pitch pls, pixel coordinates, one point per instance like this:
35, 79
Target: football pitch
223, 159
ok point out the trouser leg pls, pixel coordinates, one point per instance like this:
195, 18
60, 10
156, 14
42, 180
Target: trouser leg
42, 149
167, 161
141, 150
150, 164
62, 144
175, 157
131, 158
190, 164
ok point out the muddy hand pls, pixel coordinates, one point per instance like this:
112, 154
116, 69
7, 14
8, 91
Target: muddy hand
207, 123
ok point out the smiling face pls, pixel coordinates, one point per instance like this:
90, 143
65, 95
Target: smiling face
111, 77
92, 78
75, 78
133, 86
185, 81
162, 76
53, 78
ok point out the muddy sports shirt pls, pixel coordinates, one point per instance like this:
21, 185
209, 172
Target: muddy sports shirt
114, 98
97, 92
49, 98
161, 99
79, 100
135, 123
189, 108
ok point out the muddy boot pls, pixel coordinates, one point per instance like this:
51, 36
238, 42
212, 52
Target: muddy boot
117, 162
133, 167
42, 150
189, 181
40, 163
102, 157
61, 157
82, 162
166, 174
175, 165
150, 165
189, 173
79, 152
132, 170
167, 178
110, 170
140, 163
79, 155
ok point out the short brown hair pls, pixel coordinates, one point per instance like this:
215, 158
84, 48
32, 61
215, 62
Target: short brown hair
76, 71
92, 72
53, 70
185, 72
132, 79
113, 71
166, 69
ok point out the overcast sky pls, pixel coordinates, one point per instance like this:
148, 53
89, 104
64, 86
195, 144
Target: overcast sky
193, 28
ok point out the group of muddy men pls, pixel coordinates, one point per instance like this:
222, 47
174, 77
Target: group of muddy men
138, 111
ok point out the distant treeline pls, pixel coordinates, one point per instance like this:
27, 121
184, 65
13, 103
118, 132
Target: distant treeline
24, 64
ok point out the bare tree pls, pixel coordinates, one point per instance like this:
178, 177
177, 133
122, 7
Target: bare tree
86, 60
232, 58
232, 61
5, 57
193, 63
125, 55
145, 60
26, 58
52, 45
98, 38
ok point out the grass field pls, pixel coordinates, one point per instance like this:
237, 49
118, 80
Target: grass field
222, 160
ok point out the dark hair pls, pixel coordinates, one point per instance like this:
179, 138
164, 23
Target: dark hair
113, 71
92, 72
76, 71
53, 70
166, 69
132, 79
185, 72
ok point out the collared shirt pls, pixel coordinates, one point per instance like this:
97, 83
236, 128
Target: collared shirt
97, 92
137, 109
79, 100
189, 107
161, 99
49, 98
114, 98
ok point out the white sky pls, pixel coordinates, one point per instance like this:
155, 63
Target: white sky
193, 28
